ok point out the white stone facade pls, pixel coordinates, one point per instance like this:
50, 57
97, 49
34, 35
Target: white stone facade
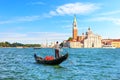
75, 44
92, 41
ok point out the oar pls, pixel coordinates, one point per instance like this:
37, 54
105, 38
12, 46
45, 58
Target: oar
70, 61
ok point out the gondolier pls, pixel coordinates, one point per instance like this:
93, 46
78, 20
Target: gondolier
49, 60
57, 50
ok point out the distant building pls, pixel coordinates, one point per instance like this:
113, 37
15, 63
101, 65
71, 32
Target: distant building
89, 40
92, 40
75, 29
116, 43
106, 41
112, 42
74, 43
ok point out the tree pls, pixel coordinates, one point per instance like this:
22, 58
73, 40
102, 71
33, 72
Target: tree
17, 44
70, 39
5, 44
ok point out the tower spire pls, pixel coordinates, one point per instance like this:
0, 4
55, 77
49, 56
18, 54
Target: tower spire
89, 28
75, 21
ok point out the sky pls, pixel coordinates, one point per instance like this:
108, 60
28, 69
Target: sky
41, 21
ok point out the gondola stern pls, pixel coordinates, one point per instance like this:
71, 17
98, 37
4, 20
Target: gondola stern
35, 55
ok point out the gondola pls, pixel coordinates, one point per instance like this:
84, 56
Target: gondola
55, 61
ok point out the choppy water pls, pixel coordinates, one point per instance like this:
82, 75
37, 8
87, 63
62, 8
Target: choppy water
82, 64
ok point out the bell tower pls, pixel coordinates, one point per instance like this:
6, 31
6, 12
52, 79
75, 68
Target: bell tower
75, 30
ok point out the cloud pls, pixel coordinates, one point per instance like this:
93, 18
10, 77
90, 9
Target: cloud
117, 21
36, 3
50, 35
111, 16
6, 22
74, 8
39, 3
28, 18
66, 9
110, 13
21, 19
110, 19
33, 37
12, 35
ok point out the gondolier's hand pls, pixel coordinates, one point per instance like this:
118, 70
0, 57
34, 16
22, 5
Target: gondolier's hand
60, 47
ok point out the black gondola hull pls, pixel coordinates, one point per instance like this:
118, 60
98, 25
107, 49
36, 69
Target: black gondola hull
56, 61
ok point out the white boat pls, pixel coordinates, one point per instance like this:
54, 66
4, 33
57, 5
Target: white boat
108, 46
19, 47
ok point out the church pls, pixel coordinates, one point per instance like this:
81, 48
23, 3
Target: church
86, 40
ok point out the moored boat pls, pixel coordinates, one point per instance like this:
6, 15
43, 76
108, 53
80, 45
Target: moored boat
55, 61
37, 47
108, 46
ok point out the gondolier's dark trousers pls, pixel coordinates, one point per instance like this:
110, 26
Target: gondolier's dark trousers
56, 53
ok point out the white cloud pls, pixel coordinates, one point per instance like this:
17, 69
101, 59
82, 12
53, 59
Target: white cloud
39, 3
21, 19
117, 21
74, 8
110, 13
36, 3
33, 37
6, 22
28, 18
71, 8
110, 19
111, 16
12, 35
50, 35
